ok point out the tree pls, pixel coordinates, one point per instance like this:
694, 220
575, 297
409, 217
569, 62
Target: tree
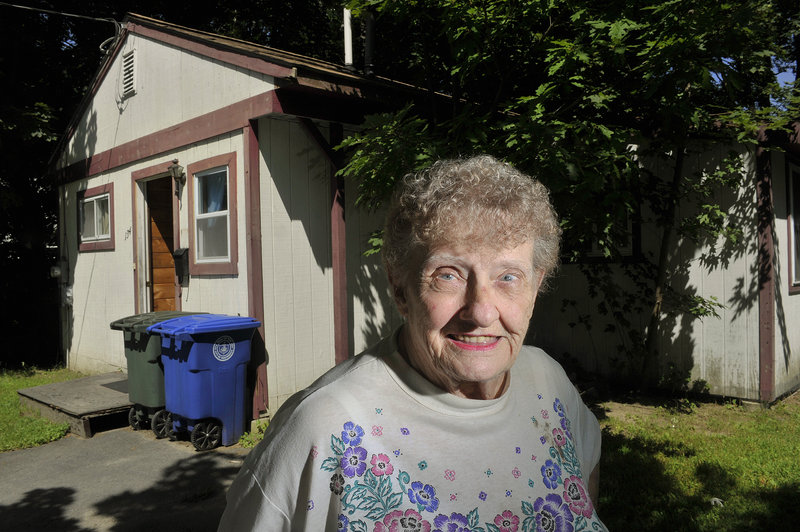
581, 94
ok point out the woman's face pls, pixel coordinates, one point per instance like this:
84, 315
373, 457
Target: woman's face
467, 310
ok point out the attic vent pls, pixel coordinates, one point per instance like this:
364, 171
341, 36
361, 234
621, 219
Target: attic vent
128, 80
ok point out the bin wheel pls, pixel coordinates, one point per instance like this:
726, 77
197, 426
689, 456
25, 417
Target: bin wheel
162, 424
135, 419
206, 435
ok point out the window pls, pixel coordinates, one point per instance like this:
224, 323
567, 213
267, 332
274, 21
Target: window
211, 215
128, 71
212, 197
96, 218
793, 194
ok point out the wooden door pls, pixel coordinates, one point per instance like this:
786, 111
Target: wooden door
163, 283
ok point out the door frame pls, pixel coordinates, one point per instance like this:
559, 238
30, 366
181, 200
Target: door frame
141, 233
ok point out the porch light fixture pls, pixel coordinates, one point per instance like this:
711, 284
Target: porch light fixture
176, 171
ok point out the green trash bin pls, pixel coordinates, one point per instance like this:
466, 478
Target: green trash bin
145, 370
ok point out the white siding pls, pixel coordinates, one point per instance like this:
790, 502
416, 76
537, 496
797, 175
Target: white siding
103, 282
172, 86
296, 251
787, 307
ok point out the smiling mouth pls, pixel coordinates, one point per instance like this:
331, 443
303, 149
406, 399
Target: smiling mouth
477, 340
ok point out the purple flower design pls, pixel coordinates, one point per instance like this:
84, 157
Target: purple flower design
354, 461
482, 495
352, 433
551, 474
552, 515
424, 496
455, 523
343, 523
558, 407
566, 425
404, 431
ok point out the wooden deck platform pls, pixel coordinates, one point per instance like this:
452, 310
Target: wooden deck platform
89, 404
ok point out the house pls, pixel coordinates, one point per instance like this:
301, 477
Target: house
198, 175
751, 350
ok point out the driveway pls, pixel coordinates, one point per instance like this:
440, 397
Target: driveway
118, 480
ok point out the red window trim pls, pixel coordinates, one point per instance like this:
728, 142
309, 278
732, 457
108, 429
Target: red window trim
214, 268
97, 245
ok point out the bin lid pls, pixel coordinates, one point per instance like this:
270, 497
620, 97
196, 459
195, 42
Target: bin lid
140, 322
185, 326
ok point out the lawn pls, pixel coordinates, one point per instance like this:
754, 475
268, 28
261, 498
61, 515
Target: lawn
700, 467
27, 430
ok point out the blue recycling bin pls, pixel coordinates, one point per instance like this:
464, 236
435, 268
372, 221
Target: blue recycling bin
205, 358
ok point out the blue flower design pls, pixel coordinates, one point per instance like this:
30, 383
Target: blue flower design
423, 496
559, 408
342, 523
354, 461
551, 474
552, 515
455, 523
352, 433
566, 425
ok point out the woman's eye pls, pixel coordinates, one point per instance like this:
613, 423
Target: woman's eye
508, 277
447, 276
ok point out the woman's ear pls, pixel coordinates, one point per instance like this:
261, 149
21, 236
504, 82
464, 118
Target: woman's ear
399, 294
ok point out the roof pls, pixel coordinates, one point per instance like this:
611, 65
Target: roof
293, 73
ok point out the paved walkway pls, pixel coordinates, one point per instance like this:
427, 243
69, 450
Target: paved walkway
118, 480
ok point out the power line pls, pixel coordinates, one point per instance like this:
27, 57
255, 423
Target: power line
51, 12
105, 46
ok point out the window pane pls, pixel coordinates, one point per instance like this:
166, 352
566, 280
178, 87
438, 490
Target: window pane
101, 211
212, 238
212, 192
87, 220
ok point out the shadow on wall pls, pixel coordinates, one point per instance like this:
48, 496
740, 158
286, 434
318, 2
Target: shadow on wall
68, 230
596, 315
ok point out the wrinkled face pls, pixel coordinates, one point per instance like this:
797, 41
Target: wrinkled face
467, 310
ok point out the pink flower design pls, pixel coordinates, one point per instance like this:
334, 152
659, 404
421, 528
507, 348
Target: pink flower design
314, 452
449, 474
515, 472
575, 496
380, 465
507, 521
545, 415
397, 521
559, 437
377, 430
454, 496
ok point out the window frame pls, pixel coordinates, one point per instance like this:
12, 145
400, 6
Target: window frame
93, 194
227, 266
792, 222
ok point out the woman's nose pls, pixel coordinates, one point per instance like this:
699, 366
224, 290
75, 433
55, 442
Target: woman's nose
480, 307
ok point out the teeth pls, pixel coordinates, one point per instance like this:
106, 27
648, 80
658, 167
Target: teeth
474, 339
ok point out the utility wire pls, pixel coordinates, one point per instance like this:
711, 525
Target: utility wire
105, 46
50, 12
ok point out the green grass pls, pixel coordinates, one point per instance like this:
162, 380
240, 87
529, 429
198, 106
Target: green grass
21, 430
707, 467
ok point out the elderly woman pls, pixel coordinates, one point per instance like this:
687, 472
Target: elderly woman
451, 423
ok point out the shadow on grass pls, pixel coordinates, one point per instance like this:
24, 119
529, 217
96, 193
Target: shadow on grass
637, 493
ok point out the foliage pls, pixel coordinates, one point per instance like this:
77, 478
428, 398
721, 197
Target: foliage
22, 431
695, 466
248, 440
590, 97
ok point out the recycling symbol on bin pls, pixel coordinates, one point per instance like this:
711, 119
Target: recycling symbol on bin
223, 348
